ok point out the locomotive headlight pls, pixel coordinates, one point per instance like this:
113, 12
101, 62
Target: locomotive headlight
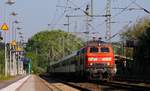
106, 59
92, 59
91, 64
108, 64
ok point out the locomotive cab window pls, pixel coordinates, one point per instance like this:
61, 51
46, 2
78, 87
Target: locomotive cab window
104, 49
93, 50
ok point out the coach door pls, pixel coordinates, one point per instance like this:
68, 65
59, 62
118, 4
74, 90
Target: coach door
83, 59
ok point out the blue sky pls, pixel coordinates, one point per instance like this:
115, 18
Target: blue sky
35, 15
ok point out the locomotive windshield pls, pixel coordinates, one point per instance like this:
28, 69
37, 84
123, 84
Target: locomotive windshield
93, 50
104, 49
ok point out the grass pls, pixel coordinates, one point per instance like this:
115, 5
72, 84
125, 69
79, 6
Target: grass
3, 77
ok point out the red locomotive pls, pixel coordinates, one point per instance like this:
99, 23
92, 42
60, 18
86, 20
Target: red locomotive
94, 61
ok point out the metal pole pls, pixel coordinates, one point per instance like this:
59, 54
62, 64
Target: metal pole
87, 22
18, 63
75, 27
6, 63
12, 30
68, 22
13, 63
10, 2
10, 58
5, 35
108, 20
15, 34
63, 46
10, 51
91, 7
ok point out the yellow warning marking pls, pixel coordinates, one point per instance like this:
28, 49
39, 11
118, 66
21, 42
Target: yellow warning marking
4, 27
13, 43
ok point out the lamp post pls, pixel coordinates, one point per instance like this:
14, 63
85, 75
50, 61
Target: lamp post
9, 2
6, 60
10, 45
19, 52
17, 28
14, 46
1, 38
14, 29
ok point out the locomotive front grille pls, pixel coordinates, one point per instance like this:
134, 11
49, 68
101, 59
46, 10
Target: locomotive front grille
98, 65
98, 68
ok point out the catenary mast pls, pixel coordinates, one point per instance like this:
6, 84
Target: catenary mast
108, 20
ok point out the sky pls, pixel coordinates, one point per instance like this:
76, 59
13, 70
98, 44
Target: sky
36, 15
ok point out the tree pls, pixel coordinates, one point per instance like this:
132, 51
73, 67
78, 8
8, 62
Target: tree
143, 54
2, 55
48, 46
134, 32
140, 31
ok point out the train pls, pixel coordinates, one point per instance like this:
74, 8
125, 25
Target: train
93, 61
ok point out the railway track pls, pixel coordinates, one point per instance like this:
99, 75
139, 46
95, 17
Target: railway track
61, 85
104, 84
80, 87
127, 85
50, 86
131, 80
123, 86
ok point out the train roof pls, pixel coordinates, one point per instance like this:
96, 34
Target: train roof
64, 58
69, 56
96, 43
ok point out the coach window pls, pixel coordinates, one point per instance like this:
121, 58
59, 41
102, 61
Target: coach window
83, 51
63, 64
78, 53
104, 49
93, 50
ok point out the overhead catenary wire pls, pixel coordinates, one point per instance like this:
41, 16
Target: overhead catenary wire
79, 7
61, 16
114, 16
54, 16
147, 11
140, 7
55, 22
85, 12
124, 9
120, 30
119, 13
